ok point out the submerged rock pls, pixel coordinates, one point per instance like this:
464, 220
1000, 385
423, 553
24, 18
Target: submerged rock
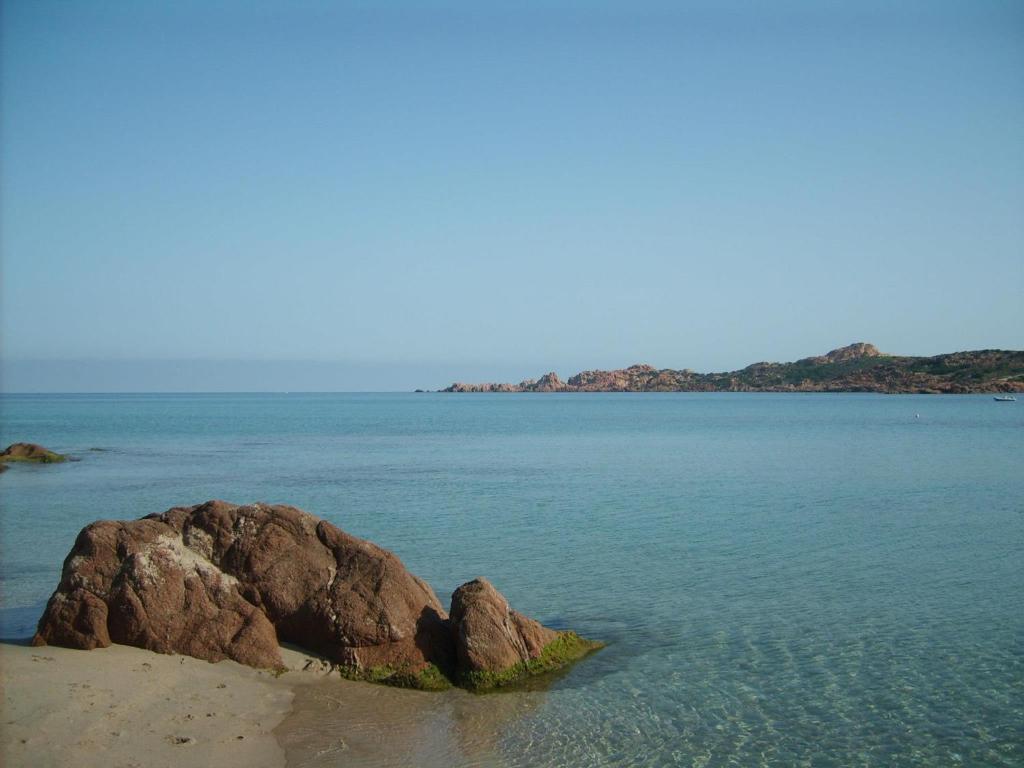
219, 581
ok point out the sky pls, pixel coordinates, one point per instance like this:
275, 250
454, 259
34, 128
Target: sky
382, 196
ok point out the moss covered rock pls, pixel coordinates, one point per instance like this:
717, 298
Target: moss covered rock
496, 646
566, 648
30, 452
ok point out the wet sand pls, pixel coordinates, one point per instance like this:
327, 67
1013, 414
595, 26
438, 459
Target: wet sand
336, 722
127, 708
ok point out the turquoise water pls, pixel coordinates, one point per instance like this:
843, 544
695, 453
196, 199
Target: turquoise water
782, 579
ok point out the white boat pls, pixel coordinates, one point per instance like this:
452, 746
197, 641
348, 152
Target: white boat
1005, 399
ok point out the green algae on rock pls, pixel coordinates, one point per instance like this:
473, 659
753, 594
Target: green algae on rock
566, 649
29, 452
428, 678
496, 646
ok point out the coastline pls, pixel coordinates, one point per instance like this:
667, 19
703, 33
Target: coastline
131, 708
858, 367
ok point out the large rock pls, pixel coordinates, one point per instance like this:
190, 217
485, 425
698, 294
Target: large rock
140, 584
223, 581
219, 581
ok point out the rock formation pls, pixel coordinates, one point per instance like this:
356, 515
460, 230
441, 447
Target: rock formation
495, 645
489, 634
549, 382
219, 581
29, 452
855, 368
851, 352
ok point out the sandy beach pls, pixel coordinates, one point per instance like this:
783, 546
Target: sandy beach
124, 707
128, 708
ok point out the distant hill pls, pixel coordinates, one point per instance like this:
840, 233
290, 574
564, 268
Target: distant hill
855, 368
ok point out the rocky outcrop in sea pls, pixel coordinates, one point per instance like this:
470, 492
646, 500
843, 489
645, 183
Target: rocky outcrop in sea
29, 452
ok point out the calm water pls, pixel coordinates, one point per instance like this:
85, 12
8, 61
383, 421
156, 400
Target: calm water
783, 579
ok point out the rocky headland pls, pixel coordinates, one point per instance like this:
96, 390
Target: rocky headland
858, 367
221, 581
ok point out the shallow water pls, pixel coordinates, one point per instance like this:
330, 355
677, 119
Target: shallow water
782, 579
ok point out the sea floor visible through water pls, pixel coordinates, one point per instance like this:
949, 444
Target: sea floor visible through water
790, 579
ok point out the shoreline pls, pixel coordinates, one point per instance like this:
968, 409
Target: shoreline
127, 707
857, 367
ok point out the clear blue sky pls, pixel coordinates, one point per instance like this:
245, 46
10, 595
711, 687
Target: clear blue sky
411, 193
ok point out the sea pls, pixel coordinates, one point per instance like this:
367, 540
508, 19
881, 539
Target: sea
781, 579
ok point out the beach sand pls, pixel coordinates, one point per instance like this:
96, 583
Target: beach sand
124, 707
